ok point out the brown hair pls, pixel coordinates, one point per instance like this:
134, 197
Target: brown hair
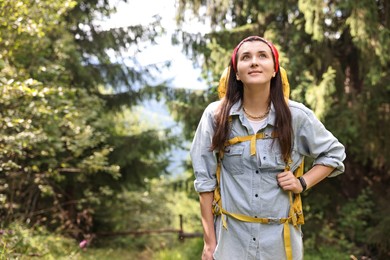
234, 93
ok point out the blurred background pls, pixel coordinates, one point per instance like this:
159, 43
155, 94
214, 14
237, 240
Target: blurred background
100, 100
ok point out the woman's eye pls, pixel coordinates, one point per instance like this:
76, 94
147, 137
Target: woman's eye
245, 57
263, 55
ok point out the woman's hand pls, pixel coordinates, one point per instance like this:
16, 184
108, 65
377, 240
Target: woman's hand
288, 182
208, 251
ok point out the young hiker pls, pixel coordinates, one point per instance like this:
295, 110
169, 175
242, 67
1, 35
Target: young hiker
245, 152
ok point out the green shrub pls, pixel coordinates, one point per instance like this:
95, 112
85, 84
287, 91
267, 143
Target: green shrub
19, 242
326, 253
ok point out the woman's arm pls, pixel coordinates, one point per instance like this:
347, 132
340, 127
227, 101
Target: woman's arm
288, 182
312, 139
210, 242
204, 162
316, 174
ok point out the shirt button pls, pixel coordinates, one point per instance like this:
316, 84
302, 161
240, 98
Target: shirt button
257, 171
256, 195
254, 239
264, 158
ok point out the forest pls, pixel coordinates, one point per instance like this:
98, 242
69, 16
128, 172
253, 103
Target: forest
84, 176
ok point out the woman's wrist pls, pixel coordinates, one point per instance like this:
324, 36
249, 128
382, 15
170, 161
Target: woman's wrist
303, 183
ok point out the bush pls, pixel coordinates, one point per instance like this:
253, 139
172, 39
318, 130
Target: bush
19, 242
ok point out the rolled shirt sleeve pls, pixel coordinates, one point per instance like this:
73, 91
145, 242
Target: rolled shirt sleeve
315, 141
204, 161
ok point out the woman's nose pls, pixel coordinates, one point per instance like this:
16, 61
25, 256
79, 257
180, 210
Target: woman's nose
255, 61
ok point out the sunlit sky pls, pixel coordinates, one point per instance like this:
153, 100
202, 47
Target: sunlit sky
135, 12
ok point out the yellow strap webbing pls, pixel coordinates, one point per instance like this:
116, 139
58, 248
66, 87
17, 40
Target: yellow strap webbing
251, 138
287, 241
246, 218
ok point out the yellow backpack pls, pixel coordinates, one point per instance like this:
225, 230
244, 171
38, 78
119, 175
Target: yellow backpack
296, 213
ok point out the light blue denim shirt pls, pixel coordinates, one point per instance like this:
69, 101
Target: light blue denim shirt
249, 185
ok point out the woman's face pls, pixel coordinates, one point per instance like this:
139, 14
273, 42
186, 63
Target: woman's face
255, 64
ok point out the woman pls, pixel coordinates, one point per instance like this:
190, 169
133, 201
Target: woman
244, 153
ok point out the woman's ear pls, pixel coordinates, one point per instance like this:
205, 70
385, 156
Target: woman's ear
274, 74
237, 77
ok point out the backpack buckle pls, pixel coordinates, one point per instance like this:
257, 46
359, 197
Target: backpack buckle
273, 221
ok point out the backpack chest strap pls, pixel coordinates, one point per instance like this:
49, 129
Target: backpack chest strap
252, 139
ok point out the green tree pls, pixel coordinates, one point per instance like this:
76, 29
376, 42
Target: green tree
52, 140
61, 153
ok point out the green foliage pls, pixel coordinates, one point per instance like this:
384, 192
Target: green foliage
317, 96
314, 17
53, 139
141, 144
19, 242
111, 253
187, 250
49, 143
156, 205
100, 60
326, 253
343, 230
62, 154
190, 249
355, 217
184, 102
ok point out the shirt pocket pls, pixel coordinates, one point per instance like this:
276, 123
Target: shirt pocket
271, 162
233, 160
295, 157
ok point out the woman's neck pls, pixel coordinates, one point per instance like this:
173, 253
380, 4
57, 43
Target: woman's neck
256, 99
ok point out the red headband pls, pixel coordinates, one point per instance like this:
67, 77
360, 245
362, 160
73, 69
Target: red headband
270, 45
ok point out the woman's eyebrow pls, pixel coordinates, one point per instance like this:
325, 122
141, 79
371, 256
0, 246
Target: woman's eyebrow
248, 52
245, 53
